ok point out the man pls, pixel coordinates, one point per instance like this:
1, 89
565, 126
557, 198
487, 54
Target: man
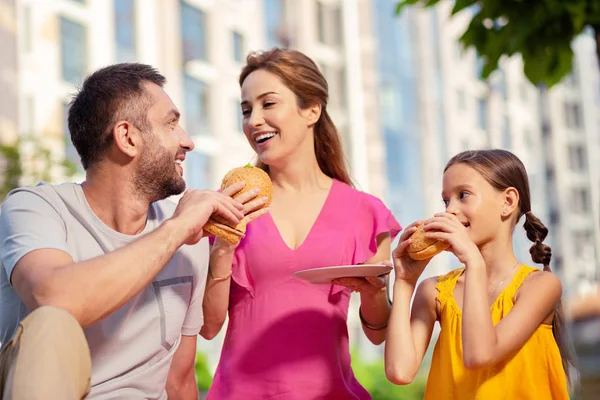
110, 256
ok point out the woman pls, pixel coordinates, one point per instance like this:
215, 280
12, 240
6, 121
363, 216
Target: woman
288, 339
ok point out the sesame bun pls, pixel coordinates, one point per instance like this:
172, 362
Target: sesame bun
253, 177
422, 248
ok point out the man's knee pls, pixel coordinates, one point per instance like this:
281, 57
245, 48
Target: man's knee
53, 323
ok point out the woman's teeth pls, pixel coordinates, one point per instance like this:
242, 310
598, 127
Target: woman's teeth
264, 137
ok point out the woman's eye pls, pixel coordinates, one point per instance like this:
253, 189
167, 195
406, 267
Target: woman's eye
446, 202
245, 113
463, 195
268, 104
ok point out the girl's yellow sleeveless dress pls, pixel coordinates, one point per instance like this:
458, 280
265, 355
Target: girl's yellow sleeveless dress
533, 372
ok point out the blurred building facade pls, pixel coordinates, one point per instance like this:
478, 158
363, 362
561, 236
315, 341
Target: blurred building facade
433, 105
201, 54
8, 72
403, 94
571, 134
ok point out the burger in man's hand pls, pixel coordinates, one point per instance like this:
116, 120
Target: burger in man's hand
252, 177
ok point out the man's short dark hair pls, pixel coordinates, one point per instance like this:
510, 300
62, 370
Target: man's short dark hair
109, 95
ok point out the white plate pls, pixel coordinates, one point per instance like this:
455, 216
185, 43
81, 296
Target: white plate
326, 274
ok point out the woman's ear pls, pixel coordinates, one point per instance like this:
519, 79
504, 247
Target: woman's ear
127, 138
312, 114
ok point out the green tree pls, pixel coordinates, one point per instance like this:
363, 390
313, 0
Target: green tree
37, 164
540, 30
203, 375
372, 376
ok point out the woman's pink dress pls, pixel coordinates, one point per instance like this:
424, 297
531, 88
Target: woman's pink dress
287, 339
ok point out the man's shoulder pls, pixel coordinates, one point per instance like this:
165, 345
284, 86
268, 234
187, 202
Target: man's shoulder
44, 189
41, 193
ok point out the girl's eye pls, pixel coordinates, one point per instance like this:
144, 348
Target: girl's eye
268, 104
446, 202
245, 113
463, 195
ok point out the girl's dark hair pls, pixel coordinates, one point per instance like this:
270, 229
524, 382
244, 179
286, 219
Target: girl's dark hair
302, 76
502, 169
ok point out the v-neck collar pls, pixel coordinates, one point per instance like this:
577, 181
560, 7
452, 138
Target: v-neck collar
314, 224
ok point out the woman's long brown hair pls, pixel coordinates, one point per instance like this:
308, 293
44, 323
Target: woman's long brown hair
502, 169
302, 76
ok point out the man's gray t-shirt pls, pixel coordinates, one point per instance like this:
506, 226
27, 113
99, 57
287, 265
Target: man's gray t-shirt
132, 348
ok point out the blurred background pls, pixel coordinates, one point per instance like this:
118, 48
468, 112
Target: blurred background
405, 95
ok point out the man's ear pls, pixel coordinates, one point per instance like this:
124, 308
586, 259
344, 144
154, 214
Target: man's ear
127, 138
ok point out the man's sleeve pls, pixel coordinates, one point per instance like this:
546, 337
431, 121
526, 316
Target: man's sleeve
28, 222
194, 318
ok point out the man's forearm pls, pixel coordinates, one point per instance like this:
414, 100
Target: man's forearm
93, 289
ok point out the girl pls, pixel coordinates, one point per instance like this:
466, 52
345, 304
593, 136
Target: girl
502, 334
288, 339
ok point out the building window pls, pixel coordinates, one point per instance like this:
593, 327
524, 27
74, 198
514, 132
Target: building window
528, 138
506, 139
478, 67
26, 29
71, 154
523, 89
238, 116
238, 47
482, 113
573, 115
28, 123
278, 34
198, 170
577, 158
125, 30
336, 80
502, 84
193, 33
338, 26
329, 24
461, 100
73, 46
583, 242
196, 106
581, 200
320, 22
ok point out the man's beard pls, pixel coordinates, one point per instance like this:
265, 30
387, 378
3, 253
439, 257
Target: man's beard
157, 177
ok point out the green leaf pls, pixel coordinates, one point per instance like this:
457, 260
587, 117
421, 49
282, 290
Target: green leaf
401, 4
460, 5
541, 31
431, 3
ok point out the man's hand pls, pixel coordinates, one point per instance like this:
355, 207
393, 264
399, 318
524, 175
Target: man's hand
196, 207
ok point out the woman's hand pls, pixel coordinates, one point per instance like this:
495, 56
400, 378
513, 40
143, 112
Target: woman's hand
369, 284
405, 267
448, 228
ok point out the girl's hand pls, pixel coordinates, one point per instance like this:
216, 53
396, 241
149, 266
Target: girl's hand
448, 228
405, 267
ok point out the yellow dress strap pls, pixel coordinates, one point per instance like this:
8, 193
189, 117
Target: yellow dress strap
523, 272
446, 283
